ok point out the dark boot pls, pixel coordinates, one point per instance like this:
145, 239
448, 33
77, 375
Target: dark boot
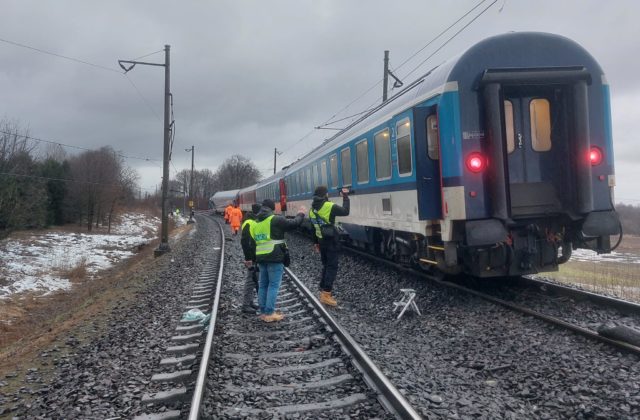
248, 293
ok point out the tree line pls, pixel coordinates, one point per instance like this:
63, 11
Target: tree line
234, 173
43, 188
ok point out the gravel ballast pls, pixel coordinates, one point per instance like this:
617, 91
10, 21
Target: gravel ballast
105, 376
465, 357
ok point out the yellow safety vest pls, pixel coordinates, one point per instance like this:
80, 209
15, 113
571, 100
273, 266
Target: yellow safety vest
249, 222
261, 234
323, 217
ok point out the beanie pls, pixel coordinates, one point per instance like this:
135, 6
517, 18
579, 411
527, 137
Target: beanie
320, 191
269, 203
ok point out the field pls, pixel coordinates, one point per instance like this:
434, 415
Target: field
616, 274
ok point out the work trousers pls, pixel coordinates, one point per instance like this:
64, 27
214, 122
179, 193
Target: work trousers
270, 278
250, 284
329, 253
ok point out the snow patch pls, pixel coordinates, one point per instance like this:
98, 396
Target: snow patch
39, 263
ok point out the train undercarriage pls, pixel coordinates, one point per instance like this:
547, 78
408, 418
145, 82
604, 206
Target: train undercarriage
490, 248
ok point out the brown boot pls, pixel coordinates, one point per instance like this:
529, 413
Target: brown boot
327, 299
274, 317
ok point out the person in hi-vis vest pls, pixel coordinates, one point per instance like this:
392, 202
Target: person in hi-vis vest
323, 217
249, 250
272, 255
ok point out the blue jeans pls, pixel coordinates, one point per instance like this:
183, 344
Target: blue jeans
270, 278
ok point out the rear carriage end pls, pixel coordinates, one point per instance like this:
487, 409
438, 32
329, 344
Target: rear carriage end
525, 158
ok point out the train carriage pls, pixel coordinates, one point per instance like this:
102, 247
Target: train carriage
221, 199
497, 162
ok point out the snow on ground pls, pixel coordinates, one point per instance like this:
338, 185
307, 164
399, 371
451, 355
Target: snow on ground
591, 256
40, 263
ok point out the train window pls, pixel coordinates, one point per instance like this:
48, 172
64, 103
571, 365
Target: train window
323, 173
509, 127
301, 182
314, 176
433, 147
362, 161
309, 184
333, 170
540, 125
403, 147
382, 151
345, 157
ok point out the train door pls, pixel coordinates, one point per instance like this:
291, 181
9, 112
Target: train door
536, 146
428, 163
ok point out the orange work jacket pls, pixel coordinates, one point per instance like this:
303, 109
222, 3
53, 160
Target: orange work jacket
235, 217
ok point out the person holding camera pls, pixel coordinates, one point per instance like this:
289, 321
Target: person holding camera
272, 255
323, 217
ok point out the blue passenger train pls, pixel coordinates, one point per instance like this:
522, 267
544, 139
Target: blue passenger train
497, 162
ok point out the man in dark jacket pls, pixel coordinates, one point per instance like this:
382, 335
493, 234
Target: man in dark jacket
323, 217
249, 250
271, 253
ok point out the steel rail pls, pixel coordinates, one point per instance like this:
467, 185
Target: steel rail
613, 302
196, 400
547, 318
388, 394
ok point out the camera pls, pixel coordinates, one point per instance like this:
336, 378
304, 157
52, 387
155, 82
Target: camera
346, 191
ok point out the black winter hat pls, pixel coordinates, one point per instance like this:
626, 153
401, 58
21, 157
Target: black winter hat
320, 191
255, 208
269, 203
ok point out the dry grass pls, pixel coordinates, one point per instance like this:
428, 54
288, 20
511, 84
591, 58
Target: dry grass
77, 273
621, 279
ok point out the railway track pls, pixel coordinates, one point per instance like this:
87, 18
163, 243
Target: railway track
305, 366
178, 385
620, 307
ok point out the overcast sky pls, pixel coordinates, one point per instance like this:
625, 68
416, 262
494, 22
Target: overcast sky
248, 76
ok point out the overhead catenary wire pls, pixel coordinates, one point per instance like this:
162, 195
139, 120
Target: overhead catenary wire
451, 38
369, 108
409, 59
88, 63
153, 111
146, 55
41, 140
17, 44
66, 180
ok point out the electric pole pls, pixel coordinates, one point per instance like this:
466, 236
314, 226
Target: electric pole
164, 235
192, 150
275, 154
386, 76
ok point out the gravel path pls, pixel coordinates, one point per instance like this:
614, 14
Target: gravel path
465, 357
106, 376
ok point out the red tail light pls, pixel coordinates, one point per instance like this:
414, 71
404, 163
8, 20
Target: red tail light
595, 156
476, 162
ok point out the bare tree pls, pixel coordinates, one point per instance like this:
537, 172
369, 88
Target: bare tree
236, 172
102, 181
23, 196
125, 190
